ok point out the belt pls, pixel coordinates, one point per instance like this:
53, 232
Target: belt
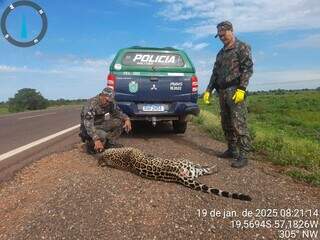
232, 83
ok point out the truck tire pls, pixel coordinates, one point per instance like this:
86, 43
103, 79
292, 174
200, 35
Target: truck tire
179, 126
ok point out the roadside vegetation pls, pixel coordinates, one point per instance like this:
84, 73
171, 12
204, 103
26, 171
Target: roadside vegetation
284, 126
28, 99
4, 108
66, 102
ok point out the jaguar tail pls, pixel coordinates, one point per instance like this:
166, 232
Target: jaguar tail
204, 188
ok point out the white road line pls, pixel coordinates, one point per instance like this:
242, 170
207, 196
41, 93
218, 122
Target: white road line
35, 143
39, 115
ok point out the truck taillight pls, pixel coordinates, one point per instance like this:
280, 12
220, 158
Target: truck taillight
111, 81
194, 84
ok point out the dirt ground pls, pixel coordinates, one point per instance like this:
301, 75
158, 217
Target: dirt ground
67, 196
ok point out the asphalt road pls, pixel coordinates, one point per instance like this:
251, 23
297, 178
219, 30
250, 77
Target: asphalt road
20, 129
66, 195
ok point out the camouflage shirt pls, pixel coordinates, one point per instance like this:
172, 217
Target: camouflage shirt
93, 114
233, 67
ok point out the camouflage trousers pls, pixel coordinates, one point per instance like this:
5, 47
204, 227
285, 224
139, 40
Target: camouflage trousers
234, 121
110, 130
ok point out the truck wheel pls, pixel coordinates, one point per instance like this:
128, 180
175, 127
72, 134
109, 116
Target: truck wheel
179, 126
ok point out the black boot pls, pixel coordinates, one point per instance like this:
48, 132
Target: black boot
241, 161
231, 152
90, 147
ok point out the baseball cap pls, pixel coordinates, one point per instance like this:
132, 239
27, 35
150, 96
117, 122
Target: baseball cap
108, 91
225, 25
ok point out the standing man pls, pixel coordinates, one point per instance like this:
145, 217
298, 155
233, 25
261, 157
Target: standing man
230, 78
102, 122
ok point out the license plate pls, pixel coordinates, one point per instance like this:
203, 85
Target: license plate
153, 108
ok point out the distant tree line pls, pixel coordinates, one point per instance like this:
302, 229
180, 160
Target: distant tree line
62, 101
31, 99
281, 91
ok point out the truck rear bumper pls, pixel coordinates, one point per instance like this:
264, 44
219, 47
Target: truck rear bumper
173, 111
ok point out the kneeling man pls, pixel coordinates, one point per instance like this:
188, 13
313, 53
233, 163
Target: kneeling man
102, 122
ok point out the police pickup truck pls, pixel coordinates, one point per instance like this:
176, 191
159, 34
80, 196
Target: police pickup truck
155, 84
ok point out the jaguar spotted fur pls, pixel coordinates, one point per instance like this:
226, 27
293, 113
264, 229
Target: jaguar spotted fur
148, 166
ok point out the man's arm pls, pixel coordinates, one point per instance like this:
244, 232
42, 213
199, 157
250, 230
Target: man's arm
213, 79
88, 121
246, 66
117, 113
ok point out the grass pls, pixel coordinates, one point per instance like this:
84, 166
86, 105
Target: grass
285, 128
3, 110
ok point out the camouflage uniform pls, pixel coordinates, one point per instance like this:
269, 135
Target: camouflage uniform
102, 122
231, 71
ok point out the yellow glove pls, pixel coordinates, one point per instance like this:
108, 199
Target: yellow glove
206, 97
238, 97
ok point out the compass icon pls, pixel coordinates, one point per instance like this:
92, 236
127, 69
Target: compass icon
10, 38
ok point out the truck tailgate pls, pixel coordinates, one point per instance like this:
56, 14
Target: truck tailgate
153, 88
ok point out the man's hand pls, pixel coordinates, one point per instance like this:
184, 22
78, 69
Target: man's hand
238, 97
127, 125
206, 97
98, 146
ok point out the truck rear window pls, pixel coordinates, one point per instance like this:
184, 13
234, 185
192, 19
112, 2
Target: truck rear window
152, 59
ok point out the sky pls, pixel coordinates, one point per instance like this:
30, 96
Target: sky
72, 60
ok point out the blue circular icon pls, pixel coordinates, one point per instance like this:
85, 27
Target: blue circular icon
12, 40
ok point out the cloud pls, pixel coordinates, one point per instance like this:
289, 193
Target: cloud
200, 46
246, 15
38, 53
192, 46
131, 3
311, 41
25, 69
70, 62
7, 69
287, 79
65, 77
